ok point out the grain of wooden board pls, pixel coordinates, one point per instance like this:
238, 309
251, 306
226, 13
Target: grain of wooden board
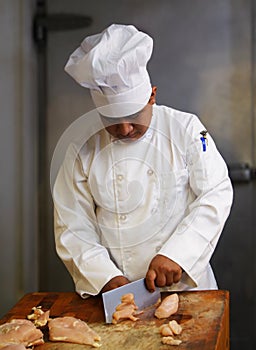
204, 316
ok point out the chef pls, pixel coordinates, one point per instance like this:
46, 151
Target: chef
148, 194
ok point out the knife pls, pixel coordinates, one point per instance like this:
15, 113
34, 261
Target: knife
142, 297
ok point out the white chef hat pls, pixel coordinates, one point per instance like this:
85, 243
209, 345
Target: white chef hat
112, 65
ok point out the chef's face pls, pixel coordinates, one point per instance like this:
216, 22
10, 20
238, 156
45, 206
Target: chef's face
131, 128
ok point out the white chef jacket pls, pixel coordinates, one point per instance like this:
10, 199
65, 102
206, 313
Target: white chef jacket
118, 203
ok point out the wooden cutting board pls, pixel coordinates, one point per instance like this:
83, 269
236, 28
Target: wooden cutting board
204, 316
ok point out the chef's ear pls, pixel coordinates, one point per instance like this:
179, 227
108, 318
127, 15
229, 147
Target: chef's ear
152, 99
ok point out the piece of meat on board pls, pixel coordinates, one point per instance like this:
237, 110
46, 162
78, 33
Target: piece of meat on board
126, 309
124, 312
39, 317
165, 330
128, 299
175, 327
72, 330
171, 328
168, 306
171, 341
20, 331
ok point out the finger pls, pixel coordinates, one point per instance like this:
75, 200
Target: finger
161, 280
169, 279
177, 276
150, 280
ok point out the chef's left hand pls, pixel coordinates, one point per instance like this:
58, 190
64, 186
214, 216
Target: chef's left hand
162, 272
115, 282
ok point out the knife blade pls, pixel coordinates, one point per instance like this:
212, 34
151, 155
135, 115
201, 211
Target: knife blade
143, 298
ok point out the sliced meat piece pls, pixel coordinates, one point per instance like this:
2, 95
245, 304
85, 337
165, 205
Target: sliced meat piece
165, 330
39, 317
128, 299
175, 327
171, 341
72, 330
168, 306
20, 331
125, 310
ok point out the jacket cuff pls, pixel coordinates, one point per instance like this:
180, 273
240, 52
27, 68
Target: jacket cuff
95, 273
199, 251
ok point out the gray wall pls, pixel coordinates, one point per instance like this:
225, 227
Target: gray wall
18, 194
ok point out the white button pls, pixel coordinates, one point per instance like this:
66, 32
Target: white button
122, 217
150, 172
120, 177
153, 210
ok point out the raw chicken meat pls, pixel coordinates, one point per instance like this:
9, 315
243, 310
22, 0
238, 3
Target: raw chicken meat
128, 299
126, 309
168, 331
171, 328
175, 327
126, 312
20, 331
168, 306
165, 330
72, 330
171, 341
39, 317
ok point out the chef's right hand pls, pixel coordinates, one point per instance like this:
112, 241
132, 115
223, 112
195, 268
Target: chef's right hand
115, 282
162, 272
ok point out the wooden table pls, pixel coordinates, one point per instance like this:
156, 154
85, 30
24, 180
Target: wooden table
204, 316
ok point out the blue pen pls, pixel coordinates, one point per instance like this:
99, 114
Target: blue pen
204, 139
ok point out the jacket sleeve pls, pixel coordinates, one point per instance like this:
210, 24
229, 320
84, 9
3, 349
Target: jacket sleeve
195, 238
77, 236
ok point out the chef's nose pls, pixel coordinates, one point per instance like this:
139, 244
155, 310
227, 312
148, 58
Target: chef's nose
125, 128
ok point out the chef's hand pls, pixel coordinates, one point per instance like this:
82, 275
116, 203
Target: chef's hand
162, 272
115, 282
